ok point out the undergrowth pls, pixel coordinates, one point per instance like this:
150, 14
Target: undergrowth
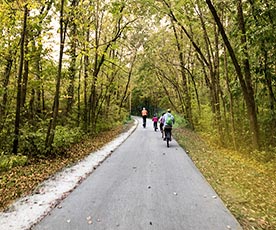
21, 175
244, 182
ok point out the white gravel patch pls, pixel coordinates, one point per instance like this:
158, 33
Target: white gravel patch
28, 210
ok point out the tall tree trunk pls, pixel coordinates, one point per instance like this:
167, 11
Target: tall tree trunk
79, 95
85, 112
124, 97
247, 75
19, 79
3, 105
73, 57
187, 97
248, 96
216, 84
5, 87
53, 121
231, 103
37, 100
268, 81
85, 87
26, 73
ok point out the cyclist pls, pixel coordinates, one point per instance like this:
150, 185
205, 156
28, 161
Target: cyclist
161, 121
168, 124
144, 116
155, 120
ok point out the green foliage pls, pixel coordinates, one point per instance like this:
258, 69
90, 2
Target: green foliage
66, 136
33, 141
23, 180
9, 161
140, 44
112, 120
180, 121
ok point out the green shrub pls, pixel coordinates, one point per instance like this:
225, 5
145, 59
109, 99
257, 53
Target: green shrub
180, 121
9, 161
66, 136
32, 143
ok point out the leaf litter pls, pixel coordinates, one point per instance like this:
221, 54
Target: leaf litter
34, 189
246, 185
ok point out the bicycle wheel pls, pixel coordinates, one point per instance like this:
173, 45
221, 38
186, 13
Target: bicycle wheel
168, 138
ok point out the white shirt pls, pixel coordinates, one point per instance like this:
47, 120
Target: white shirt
166, 117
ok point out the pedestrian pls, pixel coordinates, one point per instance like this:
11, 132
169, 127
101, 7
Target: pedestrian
144, 114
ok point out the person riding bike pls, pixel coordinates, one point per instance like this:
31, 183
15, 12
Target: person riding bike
155, 120
168, 124
161, 121
144, 116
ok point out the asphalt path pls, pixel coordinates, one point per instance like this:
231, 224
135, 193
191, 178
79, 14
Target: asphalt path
142, 185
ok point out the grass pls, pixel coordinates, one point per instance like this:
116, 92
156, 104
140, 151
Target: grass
247, 186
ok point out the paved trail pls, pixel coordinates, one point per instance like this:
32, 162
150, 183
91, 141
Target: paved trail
143, 185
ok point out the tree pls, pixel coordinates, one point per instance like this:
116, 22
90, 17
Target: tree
53, 121
244, 81
19, 83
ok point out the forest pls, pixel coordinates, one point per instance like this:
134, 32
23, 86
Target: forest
71, 69
74, 67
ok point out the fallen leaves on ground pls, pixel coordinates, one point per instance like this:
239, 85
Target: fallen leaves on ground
245, 185
22, 180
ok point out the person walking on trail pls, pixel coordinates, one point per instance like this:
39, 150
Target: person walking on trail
144, 116
155, 121
161, 124
168, 123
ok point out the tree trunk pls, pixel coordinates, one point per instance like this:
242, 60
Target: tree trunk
26, 73
19, 79
187, 97
53, 121
5, 87
37, 106
248, 96
231, 103
251, 108
216, 84
79, 95
268, 81
73, 57
124, 97
85, 87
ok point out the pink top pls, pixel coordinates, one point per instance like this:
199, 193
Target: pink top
155, 119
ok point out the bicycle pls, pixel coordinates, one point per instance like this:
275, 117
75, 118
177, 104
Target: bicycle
168, 135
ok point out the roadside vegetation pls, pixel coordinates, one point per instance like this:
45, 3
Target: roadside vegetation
245, 181
71, 70
24, 175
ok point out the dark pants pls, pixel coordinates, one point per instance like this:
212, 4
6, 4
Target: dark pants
144, 120
168, 131
155, 125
